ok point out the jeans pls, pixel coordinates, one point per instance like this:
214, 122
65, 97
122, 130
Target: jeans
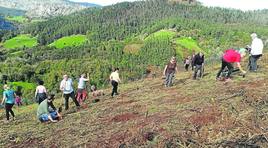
198, 68
223, 65
67, 96
44, 117
253, 62
115, 87
169, 78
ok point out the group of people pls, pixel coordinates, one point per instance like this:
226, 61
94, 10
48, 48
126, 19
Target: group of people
197, 63
46, 110
196, 60
229, 58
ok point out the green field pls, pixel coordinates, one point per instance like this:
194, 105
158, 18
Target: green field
69, 41
186, 45
20, 41
24, 85
162, 34
19, 19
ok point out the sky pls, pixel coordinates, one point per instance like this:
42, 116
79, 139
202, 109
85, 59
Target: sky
238, 4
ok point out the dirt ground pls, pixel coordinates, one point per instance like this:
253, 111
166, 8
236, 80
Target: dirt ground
192, 113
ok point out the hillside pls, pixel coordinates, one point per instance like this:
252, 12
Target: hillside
6, 25
132, 18
137, 37
85, 4
44, 9
21, 41
202, 113
11, 12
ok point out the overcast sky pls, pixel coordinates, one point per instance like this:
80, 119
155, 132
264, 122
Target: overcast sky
238, 4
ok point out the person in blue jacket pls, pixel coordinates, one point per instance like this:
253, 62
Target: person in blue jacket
8, 101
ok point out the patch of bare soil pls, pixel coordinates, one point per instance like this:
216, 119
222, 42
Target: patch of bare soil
207, 115
125, 117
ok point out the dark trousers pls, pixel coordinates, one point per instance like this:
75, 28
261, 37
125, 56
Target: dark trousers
66, 97
40, 97
9, 110
223, 65
253, 62
115, 87
192, 65
186, 67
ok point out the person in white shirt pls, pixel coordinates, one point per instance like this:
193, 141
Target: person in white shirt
81, 91
256, 51
114, 78
40, 92
66, 86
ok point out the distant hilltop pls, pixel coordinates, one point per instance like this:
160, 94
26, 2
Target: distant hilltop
45, 9
184, 1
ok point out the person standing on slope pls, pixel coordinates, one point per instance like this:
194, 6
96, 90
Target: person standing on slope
18, 94
115, 80
229, 57
256, 52
9, 100
187, 63
81, 91
192, 61
66, 86
198, 63
40, 92
169, 71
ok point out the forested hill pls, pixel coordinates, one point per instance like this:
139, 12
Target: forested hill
126, 19
5, 25
137, 37
10, 12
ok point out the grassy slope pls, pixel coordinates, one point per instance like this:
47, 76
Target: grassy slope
184, 45
70, 41
20, 41
160, 34
19, 19
25, 85
187, 43
194, 113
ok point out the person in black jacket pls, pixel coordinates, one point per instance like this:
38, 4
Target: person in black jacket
198, 64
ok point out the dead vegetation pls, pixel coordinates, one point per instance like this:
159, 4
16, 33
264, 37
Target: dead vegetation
202, 113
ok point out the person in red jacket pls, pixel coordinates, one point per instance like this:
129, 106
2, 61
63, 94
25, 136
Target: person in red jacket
229, 57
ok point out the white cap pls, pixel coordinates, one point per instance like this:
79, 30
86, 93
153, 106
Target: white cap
253, 35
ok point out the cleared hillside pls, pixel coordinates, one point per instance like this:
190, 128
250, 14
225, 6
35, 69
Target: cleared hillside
190, 114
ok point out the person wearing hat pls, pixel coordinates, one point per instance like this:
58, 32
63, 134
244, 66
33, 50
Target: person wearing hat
66, 86
229, 57
169, 71
8, 101
256, 51
46, 111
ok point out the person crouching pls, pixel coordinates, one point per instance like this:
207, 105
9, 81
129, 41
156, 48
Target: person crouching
46, 111
229, 57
